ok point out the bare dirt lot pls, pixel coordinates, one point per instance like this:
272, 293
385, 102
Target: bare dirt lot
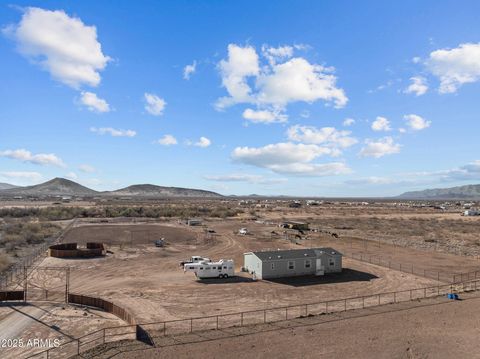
430, 329
149, 282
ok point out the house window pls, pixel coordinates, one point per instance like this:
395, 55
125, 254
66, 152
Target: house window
332, 262
272, 266
308, 263
291, 265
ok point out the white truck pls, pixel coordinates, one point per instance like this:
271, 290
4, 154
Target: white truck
224, 268
194, 259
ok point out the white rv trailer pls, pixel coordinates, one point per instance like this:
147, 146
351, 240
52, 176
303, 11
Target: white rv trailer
207, 269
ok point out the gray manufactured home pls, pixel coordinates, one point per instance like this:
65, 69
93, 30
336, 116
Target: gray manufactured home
293, 262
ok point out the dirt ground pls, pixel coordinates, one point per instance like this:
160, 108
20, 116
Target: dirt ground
435, 328
48, 321
149, 282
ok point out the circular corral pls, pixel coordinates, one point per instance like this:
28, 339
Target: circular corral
71, 250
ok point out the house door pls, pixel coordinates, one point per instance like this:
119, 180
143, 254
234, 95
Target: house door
320, 270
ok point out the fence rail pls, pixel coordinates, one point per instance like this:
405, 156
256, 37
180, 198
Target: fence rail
14, 275
157, 330
412, 269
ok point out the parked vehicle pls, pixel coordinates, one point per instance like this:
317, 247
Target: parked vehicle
194, 259
208, 269
243, 231
159, 242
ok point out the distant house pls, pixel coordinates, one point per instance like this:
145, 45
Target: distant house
299, 226
471, 212
293, 262
194, 222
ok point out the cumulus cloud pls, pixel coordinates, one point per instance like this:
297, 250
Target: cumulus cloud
416, 123
418, 86
203, 142
154, 105
381, 124
113, 132
455, 67
86, 168
274, 54
283, 79
348, 122
189, 70
379, 148
242, 177
290, 158
93, 102
264, 116
328, 136
62, 45
38, 159
167, 140
22, 175
242, 63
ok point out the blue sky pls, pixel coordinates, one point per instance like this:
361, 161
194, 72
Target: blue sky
306, 98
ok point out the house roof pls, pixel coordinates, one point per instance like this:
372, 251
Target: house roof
295, 253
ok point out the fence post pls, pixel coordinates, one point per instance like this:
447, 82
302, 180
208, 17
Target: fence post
345, 305
438, 276
379, 299
400, 267
241, 320
264, 316
363, 302
424, 292
78, 346
326, 307
191, 325
103, 335
394, 297
164, 328
286, 313
306, 310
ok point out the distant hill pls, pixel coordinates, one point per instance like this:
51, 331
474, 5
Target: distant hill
460, 192
6, 186
149, 190
65, 187
54, 187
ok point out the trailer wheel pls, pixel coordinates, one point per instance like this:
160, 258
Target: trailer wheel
225, 276
220, 276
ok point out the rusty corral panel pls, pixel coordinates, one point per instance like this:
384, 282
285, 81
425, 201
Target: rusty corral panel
12, 295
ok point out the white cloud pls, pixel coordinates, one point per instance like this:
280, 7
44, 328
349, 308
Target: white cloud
264, 116
62, 45
416, 60
290, 158
328, 136
455, 67
418, 86
167, 140
203, 142
382, 147
86, 168
189, 70
71, 175
381, 124
93, 102
416, 123
348, 122
275, 84
19, 175
274, 54
299, 80
242, 62
113, 132
154, 104
39, 158
242, 177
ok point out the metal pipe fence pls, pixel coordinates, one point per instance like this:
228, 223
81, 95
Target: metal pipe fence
158, 331
411, 269
14, 275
